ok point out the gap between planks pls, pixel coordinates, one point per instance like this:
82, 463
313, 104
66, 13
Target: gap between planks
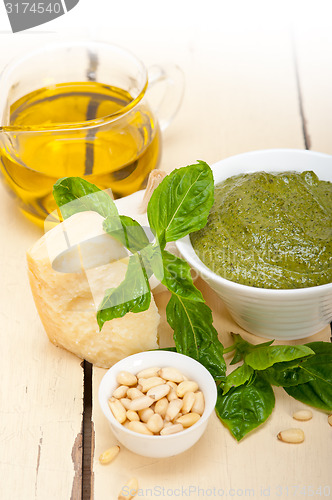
87, 433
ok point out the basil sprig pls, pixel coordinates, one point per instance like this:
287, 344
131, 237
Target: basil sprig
245, 399
179, 205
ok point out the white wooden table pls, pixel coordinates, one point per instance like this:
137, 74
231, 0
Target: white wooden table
247, 88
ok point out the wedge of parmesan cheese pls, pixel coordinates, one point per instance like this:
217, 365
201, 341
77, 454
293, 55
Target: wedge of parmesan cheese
70, 268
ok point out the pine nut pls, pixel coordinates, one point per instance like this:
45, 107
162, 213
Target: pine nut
118, 410
132, 415
126, 378
125, 403
291, 436
303, 415
158, 392
129, 490
141, 403
134, 393
120, 392
188, 401
187, 385
171, 429
148, 372
155, 423
173, 409
109, 455
139, 427
171, 373
145, 414
199, 404
172, 395
148, 383
188, 420
172, 384
161, 407
329, 419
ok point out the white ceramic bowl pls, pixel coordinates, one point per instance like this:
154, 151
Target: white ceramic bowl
159, 446
277, 314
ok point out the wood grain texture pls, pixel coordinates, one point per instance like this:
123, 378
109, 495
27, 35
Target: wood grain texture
41, 385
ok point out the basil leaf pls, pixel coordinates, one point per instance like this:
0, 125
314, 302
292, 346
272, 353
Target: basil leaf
239, 376
127, 231
181, 203
287, 374
245, 407
132, 295
318, 391
263, 357
177, 277
73, 195
242, 347
194, 334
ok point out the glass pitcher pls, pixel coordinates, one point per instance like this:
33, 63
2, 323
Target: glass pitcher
81, 109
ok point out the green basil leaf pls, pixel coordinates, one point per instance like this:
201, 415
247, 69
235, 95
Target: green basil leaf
263, 357
318, 391
177, 277
194, 334
287, 374
239, 376
127, 231
242, 347
73, 195
245, 407
181, 203
132, 295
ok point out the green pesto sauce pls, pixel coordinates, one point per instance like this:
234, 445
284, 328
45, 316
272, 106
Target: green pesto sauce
270, 230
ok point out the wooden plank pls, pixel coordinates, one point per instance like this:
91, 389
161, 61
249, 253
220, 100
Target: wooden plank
41, 393
313, 46
241, 95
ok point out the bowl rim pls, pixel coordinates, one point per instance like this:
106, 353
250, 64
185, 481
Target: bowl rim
187, 251
170, 354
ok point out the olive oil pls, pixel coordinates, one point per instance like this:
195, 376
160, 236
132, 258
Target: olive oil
84, 129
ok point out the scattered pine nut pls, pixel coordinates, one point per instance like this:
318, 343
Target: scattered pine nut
109, 455
291, 436
303, 415
329, 419
129, 490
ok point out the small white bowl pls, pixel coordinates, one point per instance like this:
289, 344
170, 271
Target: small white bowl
159, 446
275, 314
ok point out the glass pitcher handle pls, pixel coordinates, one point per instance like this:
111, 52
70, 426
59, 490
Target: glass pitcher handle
165, 101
